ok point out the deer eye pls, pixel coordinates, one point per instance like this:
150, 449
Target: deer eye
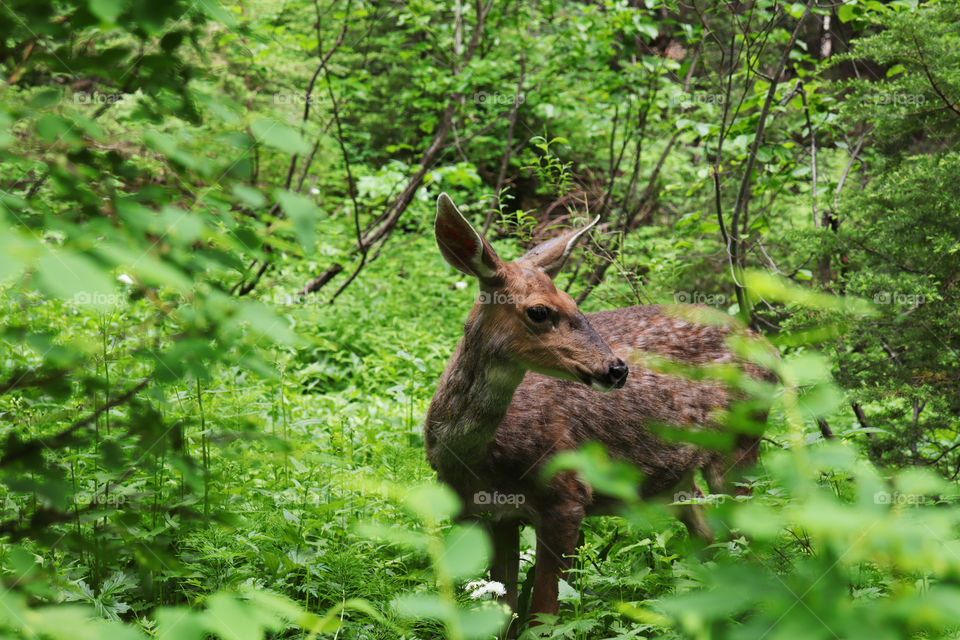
538, 313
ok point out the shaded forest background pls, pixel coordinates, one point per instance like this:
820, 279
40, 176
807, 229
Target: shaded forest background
223, 313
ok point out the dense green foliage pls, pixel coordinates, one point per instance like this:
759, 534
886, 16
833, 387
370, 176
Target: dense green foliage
223, 313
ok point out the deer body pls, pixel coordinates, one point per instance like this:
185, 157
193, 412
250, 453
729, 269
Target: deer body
533, 376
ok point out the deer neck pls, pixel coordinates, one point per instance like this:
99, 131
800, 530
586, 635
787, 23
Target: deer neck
472, 397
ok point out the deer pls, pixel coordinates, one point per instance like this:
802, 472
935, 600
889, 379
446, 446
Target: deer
533, 376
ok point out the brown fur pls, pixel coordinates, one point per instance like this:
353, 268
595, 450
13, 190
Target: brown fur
495, 422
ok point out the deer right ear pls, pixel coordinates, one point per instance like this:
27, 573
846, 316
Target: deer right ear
464, 248
550, 255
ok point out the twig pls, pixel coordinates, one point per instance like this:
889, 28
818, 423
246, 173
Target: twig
508, 147
825, 429
930, 78
317, 283
861, 416
381, 231
846, 171
813, 155
744, 193
30, 378
243, 288
22, 449
46, 516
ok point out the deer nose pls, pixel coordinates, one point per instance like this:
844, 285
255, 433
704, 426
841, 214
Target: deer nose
618, 373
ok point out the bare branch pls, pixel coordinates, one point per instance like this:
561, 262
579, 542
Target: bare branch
743, 195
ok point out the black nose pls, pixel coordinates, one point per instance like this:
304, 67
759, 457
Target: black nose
618, 373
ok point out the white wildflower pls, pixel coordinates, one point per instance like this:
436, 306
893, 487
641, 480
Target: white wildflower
460, 284
479, 588
125, 279
526, 556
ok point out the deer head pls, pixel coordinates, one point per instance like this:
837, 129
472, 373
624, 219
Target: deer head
519, 313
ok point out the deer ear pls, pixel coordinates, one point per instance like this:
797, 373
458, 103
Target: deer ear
464, 248
550, 255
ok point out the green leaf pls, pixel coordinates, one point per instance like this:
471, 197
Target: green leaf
847, 12
393, 535
771, 287
331, 621
422, 606
807, 368
187, 357
433, 503
107, 10
54, 128
15, 253
72, 276
232, 619
219, 107
279, 136
177, 224
796, 9
920, 481
249, 195
303, 214
645, 26
466, 551
265, 322
713, 440
214, 10
820, 401
611, 477
46, 98
895, 69
6, 135
179, 624
483, 621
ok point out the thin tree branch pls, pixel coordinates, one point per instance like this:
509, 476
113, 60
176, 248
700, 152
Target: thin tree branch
243, 288
18, 450
846, 171
744, 193
508, 146
930, 78
396, 209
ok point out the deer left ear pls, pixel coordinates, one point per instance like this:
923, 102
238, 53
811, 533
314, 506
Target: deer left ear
463, 247
550, 255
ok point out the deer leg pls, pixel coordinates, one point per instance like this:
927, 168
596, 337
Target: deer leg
556, 542
506, 559
691, 515
723, 472
747, 453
